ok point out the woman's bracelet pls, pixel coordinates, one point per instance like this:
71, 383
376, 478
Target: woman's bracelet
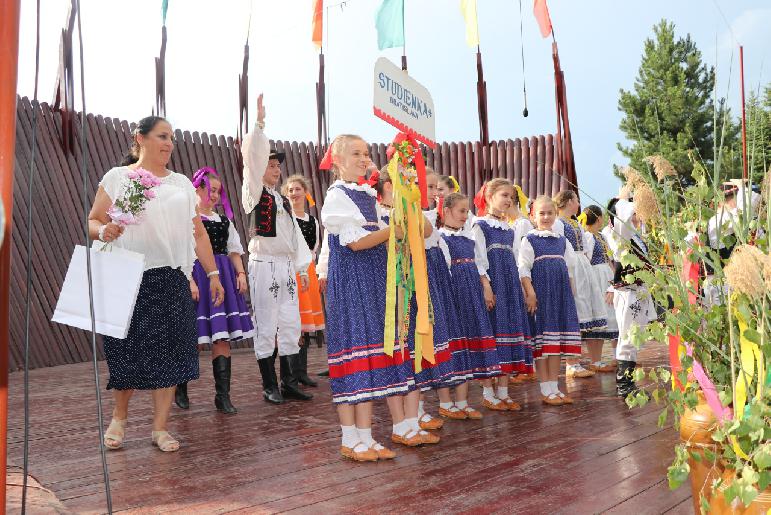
101, 232
214, 272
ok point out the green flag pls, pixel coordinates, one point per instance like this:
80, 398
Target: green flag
390, 24
164, 9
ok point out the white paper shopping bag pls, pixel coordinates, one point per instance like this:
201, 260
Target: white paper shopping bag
116, 274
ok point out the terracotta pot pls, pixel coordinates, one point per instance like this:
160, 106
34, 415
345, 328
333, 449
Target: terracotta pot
696, 428
717, 505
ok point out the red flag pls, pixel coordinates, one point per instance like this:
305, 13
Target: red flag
541, 12
318, 25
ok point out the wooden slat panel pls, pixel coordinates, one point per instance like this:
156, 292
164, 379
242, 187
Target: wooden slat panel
58, 201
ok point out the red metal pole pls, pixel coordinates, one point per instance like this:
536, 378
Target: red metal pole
9, 58
744, 115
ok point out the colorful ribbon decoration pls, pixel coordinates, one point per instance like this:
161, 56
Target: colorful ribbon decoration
480, 201
455, 185
749, 352
420, 164
202, 176
582, 220
309, 198
522, 200
406, 269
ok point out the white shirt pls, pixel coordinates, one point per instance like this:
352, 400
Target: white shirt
234, 240
341, 216
288, 241
721, 224
322, 267
614, 241
166, 233
521, 227
480, 242
527, 254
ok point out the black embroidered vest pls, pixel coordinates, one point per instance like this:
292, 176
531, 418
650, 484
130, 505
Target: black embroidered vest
262, 219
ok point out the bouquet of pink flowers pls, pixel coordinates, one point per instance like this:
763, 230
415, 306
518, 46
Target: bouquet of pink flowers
128, 209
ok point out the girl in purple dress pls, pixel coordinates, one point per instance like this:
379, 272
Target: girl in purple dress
219, 325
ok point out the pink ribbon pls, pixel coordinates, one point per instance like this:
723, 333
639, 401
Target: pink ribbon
202, 176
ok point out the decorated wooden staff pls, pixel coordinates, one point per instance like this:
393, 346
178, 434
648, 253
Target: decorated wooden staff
406, 272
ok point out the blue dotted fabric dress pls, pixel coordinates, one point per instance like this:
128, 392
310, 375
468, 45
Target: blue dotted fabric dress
509, 317
473, 315
359, 370
555, 323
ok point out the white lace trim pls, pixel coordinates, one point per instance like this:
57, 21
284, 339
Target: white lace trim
357, 187
494, 222
543, 233
350, 233
461, 232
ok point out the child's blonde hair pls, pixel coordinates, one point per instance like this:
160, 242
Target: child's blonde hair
295, 178
337, 147
383, 178
493, 185
544, 199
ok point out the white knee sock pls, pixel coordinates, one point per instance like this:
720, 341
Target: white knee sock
420, 410
350, 436
503, 392
461, 405
365, 435
488, 392
554, 387
545, 388
413, 424
401, 428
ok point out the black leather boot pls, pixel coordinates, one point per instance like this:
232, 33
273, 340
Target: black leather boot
221, 369
302, 374
625, 384
324, 373
270, 389
290, 380
180, 396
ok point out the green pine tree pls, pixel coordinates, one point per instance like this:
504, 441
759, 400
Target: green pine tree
758, 113
670, 110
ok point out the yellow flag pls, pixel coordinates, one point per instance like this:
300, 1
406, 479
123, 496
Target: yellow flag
469, 10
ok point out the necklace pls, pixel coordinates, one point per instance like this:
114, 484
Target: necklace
453, 228
497, 217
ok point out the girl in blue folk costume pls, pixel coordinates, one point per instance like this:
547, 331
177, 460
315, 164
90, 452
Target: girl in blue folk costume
452, 364
589, 299
359, 369
494, 241
600, 257
230, 321
546, 267
474, 317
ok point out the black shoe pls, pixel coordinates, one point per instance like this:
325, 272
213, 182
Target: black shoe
270, 391
290, 382
625, 384
302, 374
180, 396
221, 369
324, 373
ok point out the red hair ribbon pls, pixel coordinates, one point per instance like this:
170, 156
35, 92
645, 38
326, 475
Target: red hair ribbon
326, 161
420, 164
440, 208
480, 201
372, 181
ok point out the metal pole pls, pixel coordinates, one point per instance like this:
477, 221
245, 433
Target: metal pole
744, 115
9, 58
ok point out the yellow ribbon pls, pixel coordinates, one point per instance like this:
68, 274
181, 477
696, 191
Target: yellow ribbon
455, 185
522, 200
749, 353
408, 215
582, 220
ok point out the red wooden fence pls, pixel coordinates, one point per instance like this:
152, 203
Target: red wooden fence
58, 211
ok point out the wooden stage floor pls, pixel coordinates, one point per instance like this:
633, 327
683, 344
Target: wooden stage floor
595, 456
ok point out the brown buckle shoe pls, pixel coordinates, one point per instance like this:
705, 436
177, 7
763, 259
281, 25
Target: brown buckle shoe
383, 453
410, 441
429, 438
432, 424
551, 399
368, 455
472, 414
453, 415
495, 406
511, 404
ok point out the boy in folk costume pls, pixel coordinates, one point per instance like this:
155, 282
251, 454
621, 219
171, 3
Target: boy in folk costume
277, 251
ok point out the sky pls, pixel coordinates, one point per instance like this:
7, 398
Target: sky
600, 45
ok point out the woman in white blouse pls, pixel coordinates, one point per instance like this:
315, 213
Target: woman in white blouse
159, 351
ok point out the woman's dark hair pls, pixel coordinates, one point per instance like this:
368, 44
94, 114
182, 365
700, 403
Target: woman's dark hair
144, 127
447, 181
611, 208
593, 213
